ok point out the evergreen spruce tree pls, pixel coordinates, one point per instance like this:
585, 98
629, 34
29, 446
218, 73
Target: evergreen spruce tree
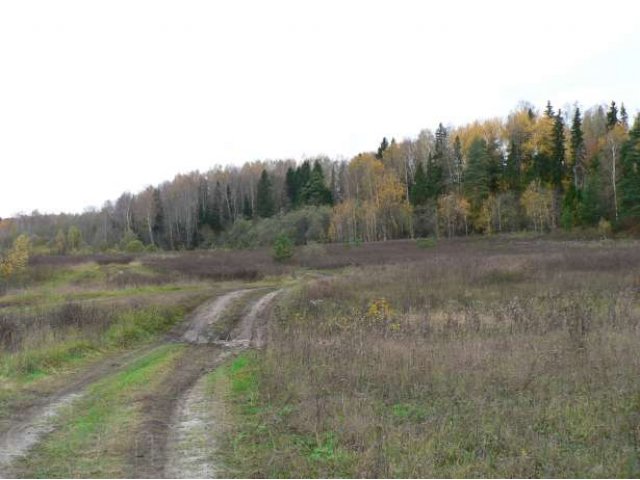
419, 193
512, 168
383, 146
437, 162
203, 205
578, 152
458, 162
612, 116
558, 152
247, 211
540, 168
589, 208
291, 185
158, 221
315, 191
548, 111
265, 206
624, 117
441, 141
496, 165
477, 175
531, 114
630, 178
213, 217
434, 180
570, 207
303, 174
229, 210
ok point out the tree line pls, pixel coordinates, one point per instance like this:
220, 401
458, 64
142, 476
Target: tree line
537, 170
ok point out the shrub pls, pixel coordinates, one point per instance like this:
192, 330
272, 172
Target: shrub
15, 262
282, 248
604, 228
134, 246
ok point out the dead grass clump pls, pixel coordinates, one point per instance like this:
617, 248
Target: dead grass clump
33, 327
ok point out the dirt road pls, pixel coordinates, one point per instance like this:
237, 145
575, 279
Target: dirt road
176, 436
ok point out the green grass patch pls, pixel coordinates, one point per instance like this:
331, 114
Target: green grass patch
130, 328
428, 242
138, 326
260, 429
34, 364
94, 438
53, 294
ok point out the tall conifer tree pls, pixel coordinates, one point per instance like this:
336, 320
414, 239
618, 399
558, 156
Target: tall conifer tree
265, 205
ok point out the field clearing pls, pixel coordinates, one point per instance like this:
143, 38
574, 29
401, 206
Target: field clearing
476, 360
465, 358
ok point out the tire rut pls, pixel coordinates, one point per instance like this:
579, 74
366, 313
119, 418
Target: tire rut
176, 435
189, 447
34, 421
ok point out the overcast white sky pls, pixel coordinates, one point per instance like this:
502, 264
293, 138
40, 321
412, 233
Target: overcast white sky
98, 98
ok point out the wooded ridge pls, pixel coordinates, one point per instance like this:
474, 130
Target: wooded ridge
532, 170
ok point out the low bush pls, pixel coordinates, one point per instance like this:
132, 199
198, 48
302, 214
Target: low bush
282, 248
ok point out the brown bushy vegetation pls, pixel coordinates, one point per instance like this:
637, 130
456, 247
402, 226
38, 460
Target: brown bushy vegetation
69, 260
218, 265
480, 360
33, 326
258, 263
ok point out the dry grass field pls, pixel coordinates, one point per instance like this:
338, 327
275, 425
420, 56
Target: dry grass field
511, 358
479, 357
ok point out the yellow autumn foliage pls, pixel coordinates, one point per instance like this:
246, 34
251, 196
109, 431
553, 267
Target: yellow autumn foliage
16, 259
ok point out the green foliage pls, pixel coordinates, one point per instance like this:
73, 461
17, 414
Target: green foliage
247, 210
306, 186
477, 175
569, 217
315, 192
612, 116
578, 151
308, 224
74, 238
60, 243
134, 246
382, 148
419, 193
624, 116
425, 219
128, 237
265, 203
242, 234
513, 162
558, 152
630, 179
282, 248
589, 209
428, 242
200, 209
136, 326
